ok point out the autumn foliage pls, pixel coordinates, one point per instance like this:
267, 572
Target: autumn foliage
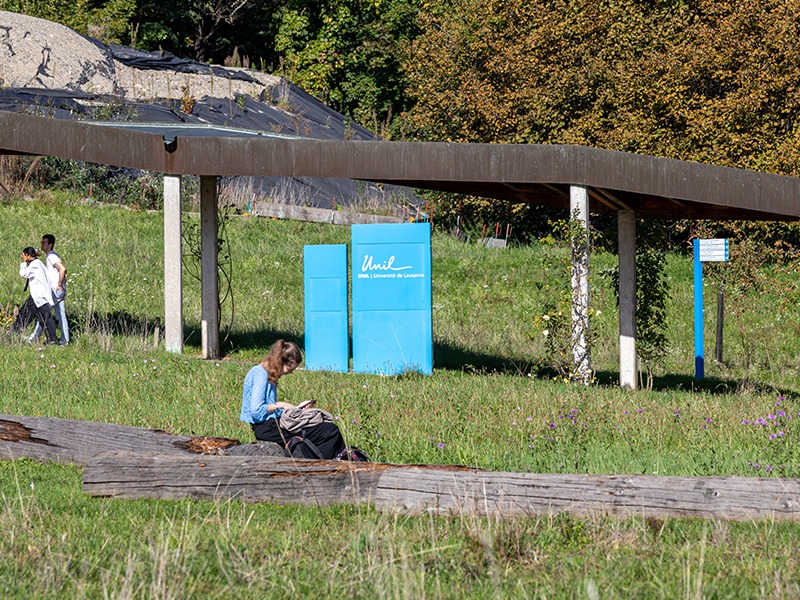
708, 81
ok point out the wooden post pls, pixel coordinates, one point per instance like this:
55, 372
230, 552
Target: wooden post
157, 333
626, 227
209, 267
173, 282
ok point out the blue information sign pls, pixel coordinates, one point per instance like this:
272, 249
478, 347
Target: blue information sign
391, 272
325, 277
711, 250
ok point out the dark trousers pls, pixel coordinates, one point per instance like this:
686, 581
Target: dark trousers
29, 312
325, 436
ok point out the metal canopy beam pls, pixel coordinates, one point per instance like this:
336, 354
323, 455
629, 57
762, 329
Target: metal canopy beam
630, 184
523, 173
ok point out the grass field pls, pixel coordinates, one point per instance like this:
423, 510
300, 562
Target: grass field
484, 406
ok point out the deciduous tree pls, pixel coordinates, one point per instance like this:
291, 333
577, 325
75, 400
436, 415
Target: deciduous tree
704, 80
347, 53
713, 81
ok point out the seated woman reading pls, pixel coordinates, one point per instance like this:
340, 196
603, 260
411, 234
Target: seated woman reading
261, 408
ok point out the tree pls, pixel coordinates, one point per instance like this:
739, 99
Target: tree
207, 30
346, 53
697, 80
107, 21
704, 80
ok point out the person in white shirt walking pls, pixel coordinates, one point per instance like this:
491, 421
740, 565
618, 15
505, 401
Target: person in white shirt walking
57, 275
40, 301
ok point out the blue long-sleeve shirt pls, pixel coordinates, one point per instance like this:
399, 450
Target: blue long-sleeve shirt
257, 394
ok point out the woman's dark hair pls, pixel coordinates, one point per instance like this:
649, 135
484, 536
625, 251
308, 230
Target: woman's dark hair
30, 251
281, 353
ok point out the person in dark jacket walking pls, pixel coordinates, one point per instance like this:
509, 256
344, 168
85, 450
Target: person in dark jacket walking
40, 302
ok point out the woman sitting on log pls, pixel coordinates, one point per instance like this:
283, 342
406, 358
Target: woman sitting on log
261, 408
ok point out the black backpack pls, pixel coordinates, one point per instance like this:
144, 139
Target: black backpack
353, 454
300, 447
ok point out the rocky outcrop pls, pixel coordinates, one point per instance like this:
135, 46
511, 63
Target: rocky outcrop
35, 53
40, 54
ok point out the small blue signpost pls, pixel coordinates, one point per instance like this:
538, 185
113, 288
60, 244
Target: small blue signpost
392, 325
325, 285
711, 250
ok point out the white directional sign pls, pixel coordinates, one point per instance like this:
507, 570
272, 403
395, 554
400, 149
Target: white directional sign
714, 250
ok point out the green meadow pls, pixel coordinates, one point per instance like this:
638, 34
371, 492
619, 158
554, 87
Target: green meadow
491, 403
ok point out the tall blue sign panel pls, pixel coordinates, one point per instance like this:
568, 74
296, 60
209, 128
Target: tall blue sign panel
325, 284
391, 272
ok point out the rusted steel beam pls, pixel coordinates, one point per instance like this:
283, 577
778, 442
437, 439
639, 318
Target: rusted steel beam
521, 173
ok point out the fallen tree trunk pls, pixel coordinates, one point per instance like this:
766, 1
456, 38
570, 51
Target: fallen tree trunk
252, 478
439, 489
728, 498
134, 462
71, 441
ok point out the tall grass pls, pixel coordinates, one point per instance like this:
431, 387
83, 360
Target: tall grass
60, 543
484, 406
485, 300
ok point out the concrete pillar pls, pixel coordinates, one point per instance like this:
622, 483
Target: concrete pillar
209, 271
173, 282
581, 352
628, 368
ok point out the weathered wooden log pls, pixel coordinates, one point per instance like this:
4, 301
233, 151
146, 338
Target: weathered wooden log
71, 441
418, 490
439, 489
249, 478
134, 462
